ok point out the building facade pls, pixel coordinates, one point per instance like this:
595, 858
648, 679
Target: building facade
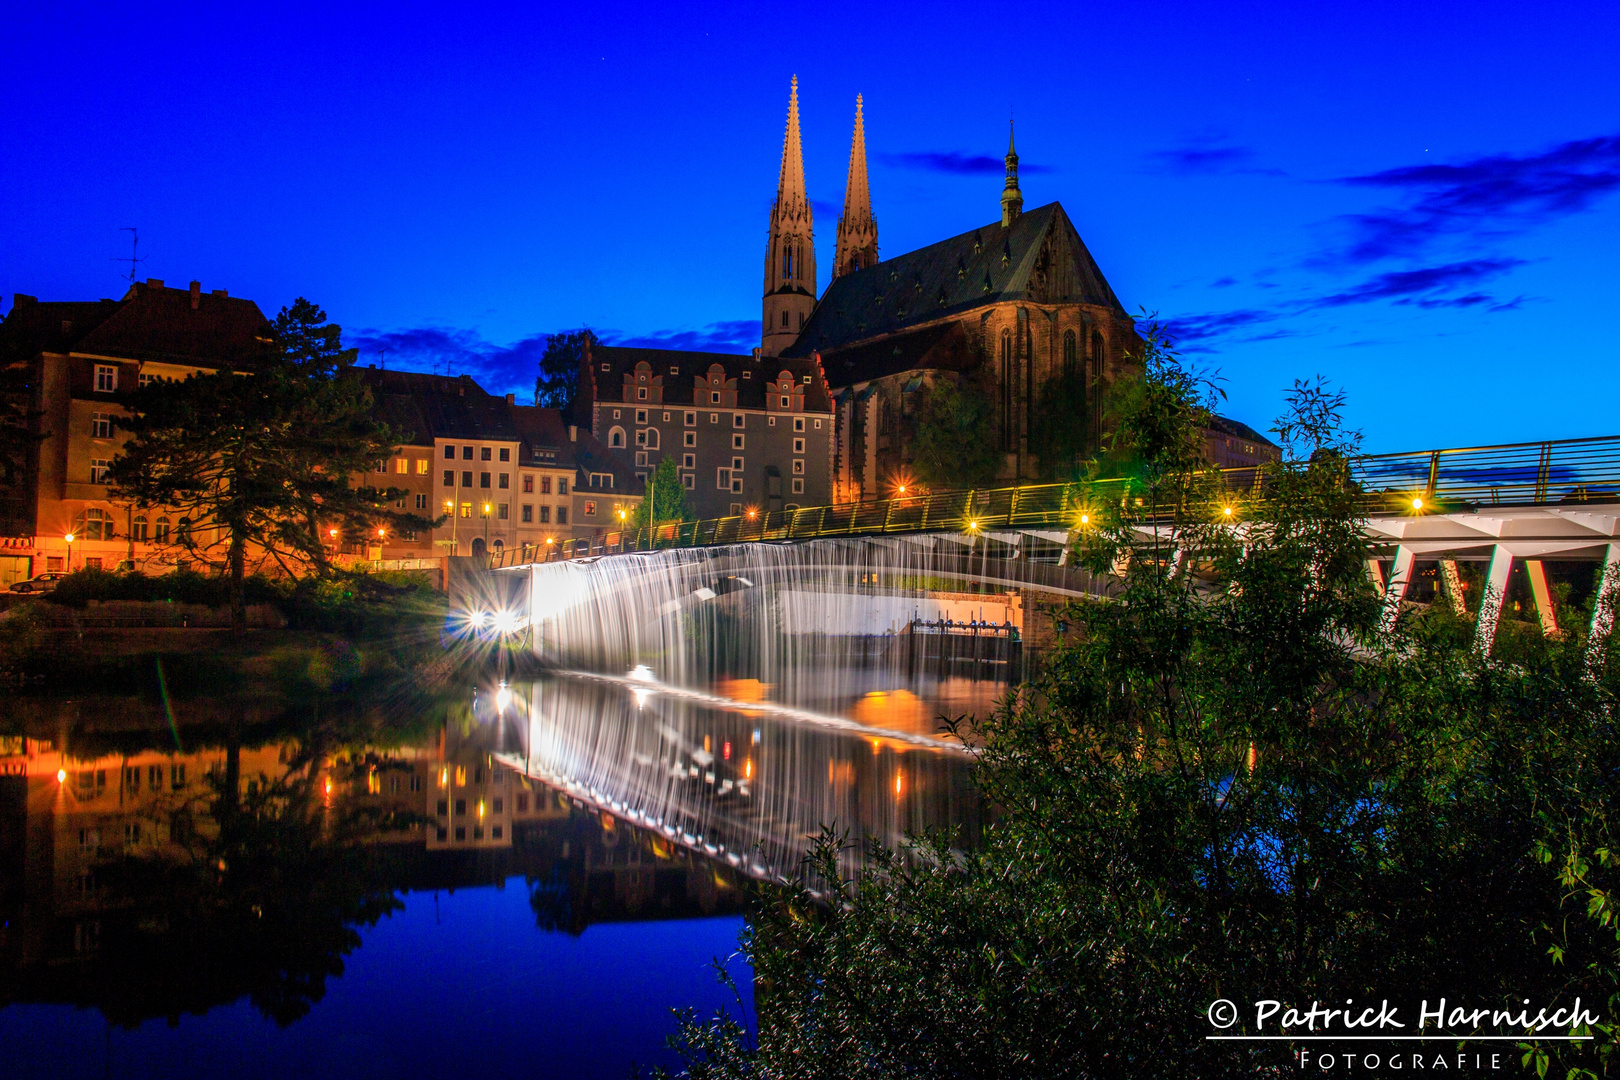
746, 432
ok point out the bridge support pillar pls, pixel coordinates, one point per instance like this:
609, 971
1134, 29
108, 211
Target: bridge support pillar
1603, 610
1543, 595
1452, 582
1399, 577
1375, 574
1490, 604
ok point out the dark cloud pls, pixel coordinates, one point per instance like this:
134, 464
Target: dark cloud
1423, 287
499, 369
736, 335
1482, 198
1205, 159
1222, 283
956, 163
1193, 328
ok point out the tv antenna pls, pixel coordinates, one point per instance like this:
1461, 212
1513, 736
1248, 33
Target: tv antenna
134, 251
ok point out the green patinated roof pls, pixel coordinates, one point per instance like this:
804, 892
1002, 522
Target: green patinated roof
1040, 258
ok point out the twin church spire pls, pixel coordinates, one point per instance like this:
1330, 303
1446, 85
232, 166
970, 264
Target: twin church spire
790, 251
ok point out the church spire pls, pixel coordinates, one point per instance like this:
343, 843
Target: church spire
1012, 200
857, 229
790, 252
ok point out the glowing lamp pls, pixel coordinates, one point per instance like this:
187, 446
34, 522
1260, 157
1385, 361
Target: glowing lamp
1227, 510
1417, 504
503, 698
331, 532
550, 540
68, 538
1085, 519
973, 525
61, 776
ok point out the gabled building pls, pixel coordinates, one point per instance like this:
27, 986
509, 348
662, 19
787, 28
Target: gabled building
746, 432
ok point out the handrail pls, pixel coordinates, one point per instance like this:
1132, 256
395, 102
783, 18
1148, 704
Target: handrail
1510, 474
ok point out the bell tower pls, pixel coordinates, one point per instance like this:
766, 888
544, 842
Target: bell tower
857, 228
1012, 200
790, 252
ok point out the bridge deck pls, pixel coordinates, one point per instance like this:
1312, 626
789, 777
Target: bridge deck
1405, 485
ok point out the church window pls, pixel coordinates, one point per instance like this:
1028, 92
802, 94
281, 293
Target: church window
1070, 356
1006, 381
784, 318
801, 320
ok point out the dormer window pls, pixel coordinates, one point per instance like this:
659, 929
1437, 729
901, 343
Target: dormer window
106, 379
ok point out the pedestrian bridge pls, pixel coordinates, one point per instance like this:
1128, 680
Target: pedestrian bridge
1528, 525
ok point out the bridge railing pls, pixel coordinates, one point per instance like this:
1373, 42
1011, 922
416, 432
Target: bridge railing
1513, 474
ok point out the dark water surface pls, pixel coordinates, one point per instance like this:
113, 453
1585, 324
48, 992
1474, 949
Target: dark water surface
521, 883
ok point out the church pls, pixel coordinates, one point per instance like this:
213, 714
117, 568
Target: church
1002, 309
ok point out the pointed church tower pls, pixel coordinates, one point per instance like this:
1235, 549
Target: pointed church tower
790, 253
857, 228
1012, 200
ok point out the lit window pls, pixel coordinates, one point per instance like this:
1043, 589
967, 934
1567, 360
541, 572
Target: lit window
545, 485
402, 466
106, 378
421, 466
528, 485
466, 510
590, 509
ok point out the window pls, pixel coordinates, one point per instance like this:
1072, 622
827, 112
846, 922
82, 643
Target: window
182, 529
689, 481
616, 438
137, 528
466, 453
641, 457
641, 416
688, 461
736, 484
798, 486
450, 453
798, 446
652, 438
528, 514
483, 453
501, 513
786, 403
466, 479
771, 421
177, 775
691, 419
98, 470
449, 478
737, 441
641, 438
601, 479
748, 374
714, 397
466, 510
714, 418
1070, 353
160, 531
506, 453
615, 414
505, 481
562, 485
722, 479
590, 508
483, 480
689, 439
421, 500
798, 466
798, 423
818, 424
666, 418
421, 466
545, 485
528, 485
736, 508
402, 466
562, 515
807, 380
737, 420
101, 426
545, 515
106, 379
641, 393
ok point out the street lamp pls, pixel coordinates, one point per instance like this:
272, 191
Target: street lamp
69, 539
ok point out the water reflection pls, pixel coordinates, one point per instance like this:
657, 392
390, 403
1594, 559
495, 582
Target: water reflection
744, 786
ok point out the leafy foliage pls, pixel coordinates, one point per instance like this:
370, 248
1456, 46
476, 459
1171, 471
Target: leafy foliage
558, 375
666, 499
263, 460
1227, 784
954, 440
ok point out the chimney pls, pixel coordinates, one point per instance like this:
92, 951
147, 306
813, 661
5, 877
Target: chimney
573, 433
196, 294
220, 292
154, 283
511, 399
757, 351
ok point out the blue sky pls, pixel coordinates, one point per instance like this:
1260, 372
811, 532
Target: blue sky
1420, 202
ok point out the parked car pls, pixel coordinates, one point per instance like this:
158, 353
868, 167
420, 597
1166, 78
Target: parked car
38, 583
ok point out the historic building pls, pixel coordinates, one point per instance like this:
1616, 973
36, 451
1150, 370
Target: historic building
746, 432
501, 474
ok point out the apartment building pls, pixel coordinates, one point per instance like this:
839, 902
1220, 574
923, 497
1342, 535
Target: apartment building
746, 432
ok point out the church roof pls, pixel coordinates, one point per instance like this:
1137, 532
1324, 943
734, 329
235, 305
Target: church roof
981, 266
680, 369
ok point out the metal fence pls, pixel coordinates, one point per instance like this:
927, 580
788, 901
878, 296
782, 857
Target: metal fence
1515, 474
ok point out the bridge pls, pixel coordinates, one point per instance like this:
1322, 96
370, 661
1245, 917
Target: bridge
1429, 515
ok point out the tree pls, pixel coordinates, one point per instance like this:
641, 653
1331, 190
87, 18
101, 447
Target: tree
954, 441
263, 460
665, 500
1060, 433
558, 376
1227, 783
